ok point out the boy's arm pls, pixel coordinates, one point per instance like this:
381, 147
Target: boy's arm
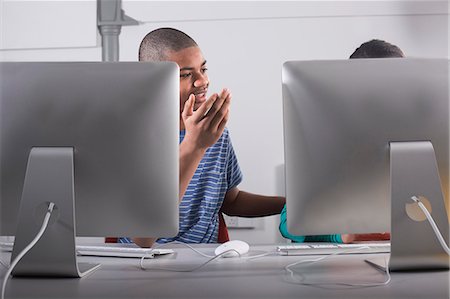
144, 242
350, 238
284, 231
344, 238
299, 239
244, 204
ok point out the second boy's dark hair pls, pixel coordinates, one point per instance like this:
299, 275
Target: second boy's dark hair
377, 49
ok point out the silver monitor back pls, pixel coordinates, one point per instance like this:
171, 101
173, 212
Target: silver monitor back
122, 119
339, 118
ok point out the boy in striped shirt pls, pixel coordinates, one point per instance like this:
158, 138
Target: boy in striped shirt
209, 170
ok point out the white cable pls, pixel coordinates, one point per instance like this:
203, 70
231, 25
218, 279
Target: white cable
148, 254
189, 269
432, 223
292, 271
261, 255
28, 247
212, 257
187, 245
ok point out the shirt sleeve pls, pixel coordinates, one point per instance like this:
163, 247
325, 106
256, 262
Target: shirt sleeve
234, 174
299, 239
324, 238
283, 228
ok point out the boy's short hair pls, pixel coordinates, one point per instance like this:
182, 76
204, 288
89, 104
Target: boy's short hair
158, 43
377, 49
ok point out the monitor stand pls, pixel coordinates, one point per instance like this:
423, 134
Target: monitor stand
49, 178
414, 172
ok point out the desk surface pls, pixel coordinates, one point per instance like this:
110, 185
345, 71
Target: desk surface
235, 278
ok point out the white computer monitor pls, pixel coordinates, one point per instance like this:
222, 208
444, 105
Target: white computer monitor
360, 132
101, 141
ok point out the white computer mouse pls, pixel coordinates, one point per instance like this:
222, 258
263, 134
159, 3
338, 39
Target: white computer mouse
238, 246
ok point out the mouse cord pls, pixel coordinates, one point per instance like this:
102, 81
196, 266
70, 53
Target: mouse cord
188, 269
261, 255
190, 247
158, 246
211, 256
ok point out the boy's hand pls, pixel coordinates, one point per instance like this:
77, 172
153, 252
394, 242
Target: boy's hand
205, 125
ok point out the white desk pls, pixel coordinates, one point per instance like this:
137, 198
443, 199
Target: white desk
230, 278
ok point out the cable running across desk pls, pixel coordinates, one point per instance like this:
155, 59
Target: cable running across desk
291, 271
212, 257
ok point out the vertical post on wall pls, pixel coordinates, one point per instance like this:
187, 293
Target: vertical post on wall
110, 19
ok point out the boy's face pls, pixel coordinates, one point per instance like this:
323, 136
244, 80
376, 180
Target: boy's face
193, 76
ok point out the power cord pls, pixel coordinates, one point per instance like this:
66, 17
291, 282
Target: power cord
51, 205
432, 223
292, 272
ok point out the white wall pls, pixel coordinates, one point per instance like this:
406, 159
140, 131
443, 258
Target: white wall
246, 43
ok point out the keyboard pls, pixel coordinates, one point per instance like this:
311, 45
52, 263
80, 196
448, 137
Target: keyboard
109, 251
331, 248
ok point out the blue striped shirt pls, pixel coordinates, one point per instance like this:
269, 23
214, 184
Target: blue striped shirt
217, 173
